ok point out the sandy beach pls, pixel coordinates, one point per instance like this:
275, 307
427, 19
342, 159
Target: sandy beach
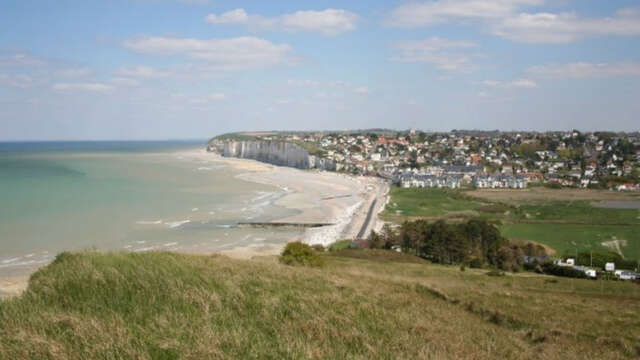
341, 200
320, 197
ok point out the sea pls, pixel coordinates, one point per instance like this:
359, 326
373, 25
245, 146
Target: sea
126, 196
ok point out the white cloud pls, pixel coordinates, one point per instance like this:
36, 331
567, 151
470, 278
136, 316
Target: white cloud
284, 101
505, 18
20, 81
435, 51
326, 22
88, 87
217, 96
74, 72
219, 54
20, 60
581, 70
146, 72
363, 90
237, 16
123, 81
430, 13
566, 27
519, 83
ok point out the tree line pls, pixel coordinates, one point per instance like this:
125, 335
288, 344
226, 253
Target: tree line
476, 243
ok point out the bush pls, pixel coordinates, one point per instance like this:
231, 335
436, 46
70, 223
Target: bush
340, 245
552, 269
297, 253
476, 263
495, 273
317, 247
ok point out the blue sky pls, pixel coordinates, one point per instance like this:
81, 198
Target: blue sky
159, 69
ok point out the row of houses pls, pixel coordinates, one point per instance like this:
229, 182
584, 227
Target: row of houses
454, 179
429, 181
499, 182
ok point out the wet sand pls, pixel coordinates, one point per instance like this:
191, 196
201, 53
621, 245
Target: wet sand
318, 196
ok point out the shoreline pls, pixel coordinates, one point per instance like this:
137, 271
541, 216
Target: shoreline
318, 196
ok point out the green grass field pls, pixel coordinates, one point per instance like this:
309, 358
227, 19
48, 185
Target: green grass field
578, 212
430, 203
569, 237
360, 305
557, 224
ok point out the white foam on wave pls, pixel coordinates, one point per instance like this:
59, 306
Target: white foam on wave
329, 234
140, 242
195, 209
29, 255
170, 244
262, 195
223, 226
9, 261
127, 246
152, 222
24, 263
145, 249
204, 168
177, 224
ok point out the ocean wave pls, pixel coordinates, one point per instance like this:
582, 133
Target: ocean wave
145, 249
170, 244
144, 222
9, 261
224, 226
177, 224
24, 263
194, 209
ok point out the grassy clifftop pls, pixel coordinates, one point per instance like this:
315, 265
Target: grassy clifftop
361, 304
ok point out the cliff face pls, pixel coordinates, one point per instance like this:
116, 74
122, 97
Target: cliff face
274, 152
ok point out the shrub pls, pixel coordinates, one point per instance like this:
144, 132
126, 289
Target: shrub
340, 245
297, 253
552, 269
317, 247
476, 263
495, 273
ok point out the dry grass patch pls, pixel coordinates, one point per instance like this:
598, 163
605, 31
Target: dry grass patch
376, 306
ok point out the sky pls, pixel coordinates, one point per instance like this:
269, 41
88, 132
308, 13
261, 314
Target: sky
178, 69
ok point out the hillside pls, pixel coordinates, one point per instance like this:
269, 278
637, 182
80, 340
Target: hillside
362, 304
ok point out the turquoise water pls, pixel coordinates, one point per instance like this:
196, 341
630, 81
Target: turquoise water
132, 196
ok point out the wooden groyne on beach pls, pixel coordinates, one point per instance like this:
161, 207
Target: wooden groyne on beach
282, 225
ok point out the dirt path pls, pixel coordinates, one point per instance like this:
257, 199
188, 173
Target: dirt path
616, 245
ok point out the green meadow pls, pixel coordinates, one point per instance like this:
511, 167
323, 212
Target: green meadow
362, 304
563, 225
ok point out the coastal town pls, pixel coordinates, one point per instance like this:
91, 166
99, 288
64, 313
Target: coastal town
478, 159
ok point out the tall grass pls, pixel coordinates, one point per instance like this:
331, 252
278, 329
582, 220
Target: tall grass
170, 306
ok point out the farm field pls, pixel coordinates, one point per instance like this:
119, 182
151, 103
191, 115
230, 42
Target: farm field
431, 203
542, 193
566, 238
563, 219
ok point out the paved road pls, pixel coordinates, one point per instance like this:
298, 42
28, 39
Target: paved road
367, 220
